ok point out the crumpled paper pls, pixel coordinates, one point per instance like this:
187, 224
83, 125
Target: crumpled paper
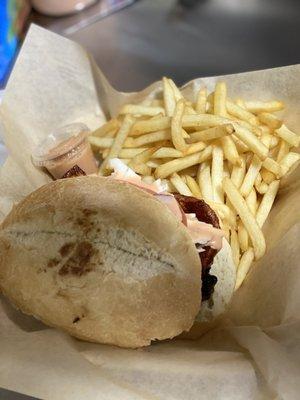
253, 354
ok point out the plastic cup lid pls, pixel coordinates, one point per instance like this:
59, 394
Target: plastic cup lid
49, 148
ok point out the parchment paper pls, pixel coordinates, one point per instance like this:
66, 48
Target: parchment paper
253, 354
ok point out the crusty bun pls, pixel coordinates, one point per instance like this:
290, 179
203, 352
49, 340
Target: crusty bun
101, 260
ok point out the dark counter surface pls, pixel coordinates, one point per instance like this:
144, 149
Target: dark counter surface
152, 38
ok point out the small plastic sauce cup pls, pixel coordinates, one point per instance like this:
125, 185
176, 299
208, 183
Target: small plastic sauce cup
63, 149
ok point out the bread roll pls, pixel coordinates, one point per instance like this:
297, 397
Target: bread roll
213, 309
102, 260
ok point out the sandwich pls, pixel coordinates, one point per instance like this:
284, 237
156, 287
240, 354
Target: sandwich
115, 260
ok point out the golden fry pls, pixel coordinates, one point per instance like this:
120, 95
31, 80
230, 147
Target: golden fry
180, 185
176, 91
243, 237
288, 161
270, 120
211, 133
274, 141
167, 152
267, 176
112, 125
220, 96
290, 137
101, 142
217, 173
284, 148
203, 120
246, 216
118, 141
235, 247
176, 127
240, 113
204, 181
251, 201
244, 266
164, 170
141, 110
193, 186
201, 101
272, 166
251, 141
150, 138
250, 176
266, 203
261, 187
261, 106
142, 157
150, 125
238, 172
194, 148
230, 151
169, 99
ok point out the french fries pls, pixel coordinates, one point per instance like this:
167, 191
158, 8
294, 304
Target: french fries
250, 176
176, 92
118, 141
176, 127
109, 126
204, 181
220, 99
283, 150
240, 113
272, 166
267, 176
235, 247
266, 203
250, 140
151, 125
270, 120
261, 106
239, 204
149, 138
243, 237
194, 148
251, 201
201, 101
141, 110
230, 153
288, 161
180, 185
203, 120
193, 186
244, 266
238, 173
176, 165
169, 99
230, 150
290, 137
167, 152
212, 133
217, 174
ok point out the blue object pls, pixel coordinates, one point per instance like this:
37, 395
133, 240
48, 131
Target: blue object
8, 37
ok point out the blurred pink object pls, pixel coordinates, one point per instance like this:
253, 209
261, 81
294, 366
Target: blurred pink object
59, 7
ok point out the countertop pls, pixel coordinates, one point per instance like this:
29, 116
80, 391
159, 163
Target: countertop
152, 38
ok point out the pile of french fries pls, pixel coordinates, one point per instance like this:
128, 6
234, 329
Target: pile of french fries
230, 153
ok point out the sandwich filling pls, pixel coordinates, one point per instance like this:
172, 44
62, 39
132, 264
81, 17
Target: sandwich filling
201, 221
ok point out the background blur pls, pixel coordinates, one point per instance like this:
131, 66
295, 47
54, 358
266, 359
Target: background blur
136, 42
